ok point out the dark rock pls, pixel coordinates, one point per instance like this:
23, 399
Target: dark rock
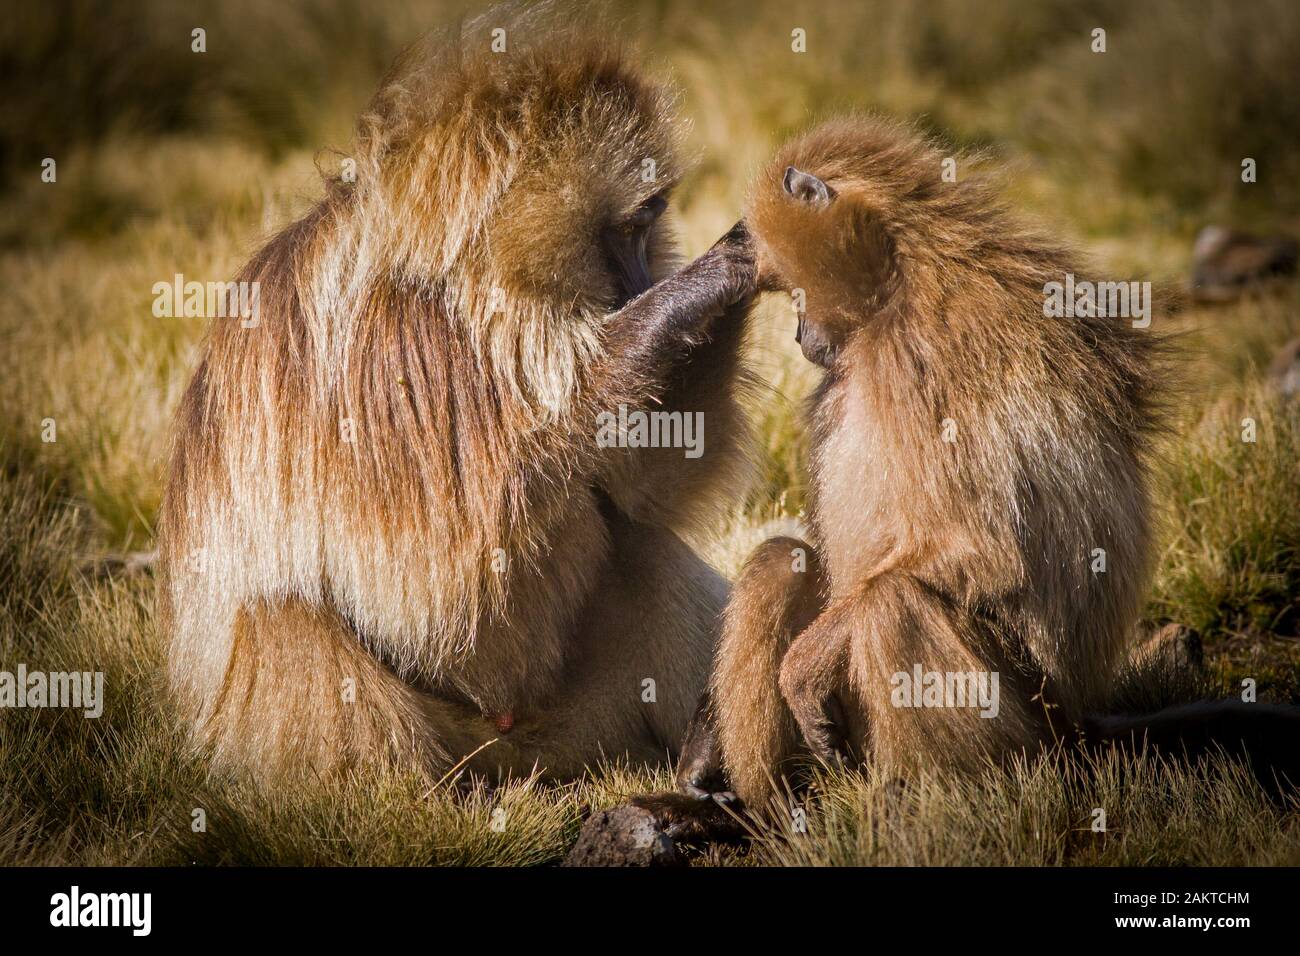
1284, 373
624, 836
1225, 262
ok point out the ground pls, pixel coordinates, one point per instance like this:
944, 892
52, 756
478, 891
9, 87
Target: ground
170, 161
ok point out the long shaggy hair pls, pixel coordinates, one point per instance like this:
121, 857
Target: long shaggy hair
396, 437
974, 553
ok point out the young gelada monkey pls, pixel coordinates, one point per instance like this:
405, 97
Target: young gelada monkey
980, 508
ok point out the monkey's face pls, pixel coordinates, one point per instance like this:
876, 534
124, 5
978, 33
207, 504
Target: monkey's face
533, 183
820, 341
810, 200
582, 234
819, 237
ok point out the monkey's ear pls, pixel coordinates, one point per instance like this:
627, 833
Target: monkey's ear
806, 187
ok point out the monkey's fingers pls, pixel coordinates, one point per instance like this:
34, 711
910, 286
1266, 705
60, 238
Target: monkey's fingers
701, 777
736, 247
738, 237
717, 818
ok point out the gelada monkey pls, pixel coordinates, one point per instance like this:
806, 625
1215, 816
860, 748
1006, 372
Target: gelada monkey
972, 458
390, 535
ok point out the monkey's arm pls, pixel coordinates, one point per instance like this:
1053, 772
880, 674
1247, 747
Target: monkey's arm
687, 482
648, 337
674, 351
813, 669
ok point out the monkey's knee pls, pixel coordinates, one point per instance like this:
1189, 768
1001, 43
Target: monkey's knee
778, 594
784, 567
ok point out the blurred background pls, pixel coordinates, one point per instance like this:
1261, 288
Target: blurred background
171, 161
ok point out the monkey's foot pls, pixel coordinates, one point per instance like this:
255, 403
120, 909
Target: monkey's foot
128, 564
1175, 646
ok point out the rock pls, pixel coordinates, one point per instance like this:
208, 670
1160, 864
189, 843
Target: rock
1225, 262
693, 821
624, 836
128, 564
1284, 373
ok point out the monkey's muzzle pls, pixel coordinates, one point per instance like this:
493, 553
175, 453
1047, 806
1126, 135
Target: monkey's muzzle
629, 263
813, 343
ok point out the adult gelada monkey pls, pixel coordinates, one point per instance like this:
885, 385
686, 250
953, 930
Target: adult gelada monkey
389, 533
971, 458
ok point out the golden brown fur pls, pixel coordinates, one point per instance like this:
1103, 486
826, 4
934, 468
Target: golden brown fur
973, 555
777, 595
471, 556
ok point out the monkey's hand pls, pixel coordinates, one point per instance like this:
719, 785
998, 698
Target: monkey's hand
735, 250
649, 335
699, 771
717, 818
767, 277
703, 810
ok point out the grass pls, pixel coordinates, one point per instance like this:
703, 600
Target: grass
176, 162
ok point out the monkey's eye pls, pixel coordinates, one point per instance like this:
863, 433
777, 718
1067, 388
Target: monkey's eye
646, 214
626, 247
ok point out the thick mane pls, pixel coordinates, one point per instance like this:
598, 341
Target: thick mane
387, 437
478, 174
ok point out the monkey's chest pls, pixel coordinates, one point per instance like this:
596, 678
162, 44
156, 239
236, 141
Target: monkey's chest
520, 649
859, 494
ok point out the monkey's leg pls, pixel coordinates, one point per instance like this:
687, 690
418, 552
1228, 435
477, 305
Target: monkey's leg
742, 730
898, 626
778, 595
302, 698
